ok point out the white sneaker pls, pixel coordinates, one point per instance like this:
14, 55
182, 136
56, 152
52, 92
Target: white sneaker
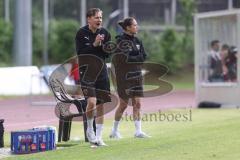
101, 143
91, 136
141, 135
115, 135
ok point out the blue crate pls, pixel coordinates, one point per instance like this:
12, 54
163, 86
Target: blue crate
23, 142
51, 143
33, 140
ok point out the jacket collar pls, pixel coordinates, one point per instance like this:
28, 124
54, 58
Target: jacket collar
87, 29
128, 36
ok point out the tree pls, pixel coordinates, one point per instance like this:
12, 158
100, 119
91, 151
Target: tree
188, 9
1, 9
61, 40
171, 51
6, 42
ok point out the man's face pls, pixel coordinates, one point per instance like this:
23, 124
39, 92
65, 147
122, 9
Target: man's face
95, 21
216, 47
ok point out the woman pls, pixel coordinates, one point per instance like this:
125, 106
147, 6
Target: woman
224, 53
127, 63
231, 63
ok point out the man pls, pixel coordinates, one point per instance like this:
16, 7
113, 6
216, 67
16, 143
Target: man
216, 73
93, 71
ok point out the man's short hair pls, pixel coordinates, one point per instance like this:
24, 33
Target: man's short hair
214, 42
92, 11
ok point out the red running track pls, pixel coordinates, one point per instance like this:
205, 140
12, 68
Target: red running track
20, 114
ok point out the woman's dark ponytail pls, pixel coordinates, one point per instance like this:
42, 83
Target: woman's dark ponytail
121, 23
126, 22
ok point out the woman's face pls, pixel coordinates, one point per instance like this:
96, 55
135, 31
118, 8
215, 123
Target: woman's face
224, 53
133, 29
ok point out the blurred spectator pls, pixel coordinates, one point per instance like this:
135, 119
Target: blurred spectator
74, 75
224, 53
74, 72
231, 63
216, 70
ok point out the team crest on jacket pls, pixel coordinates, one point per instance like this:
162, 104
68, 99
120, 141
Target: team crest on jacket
138, 46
